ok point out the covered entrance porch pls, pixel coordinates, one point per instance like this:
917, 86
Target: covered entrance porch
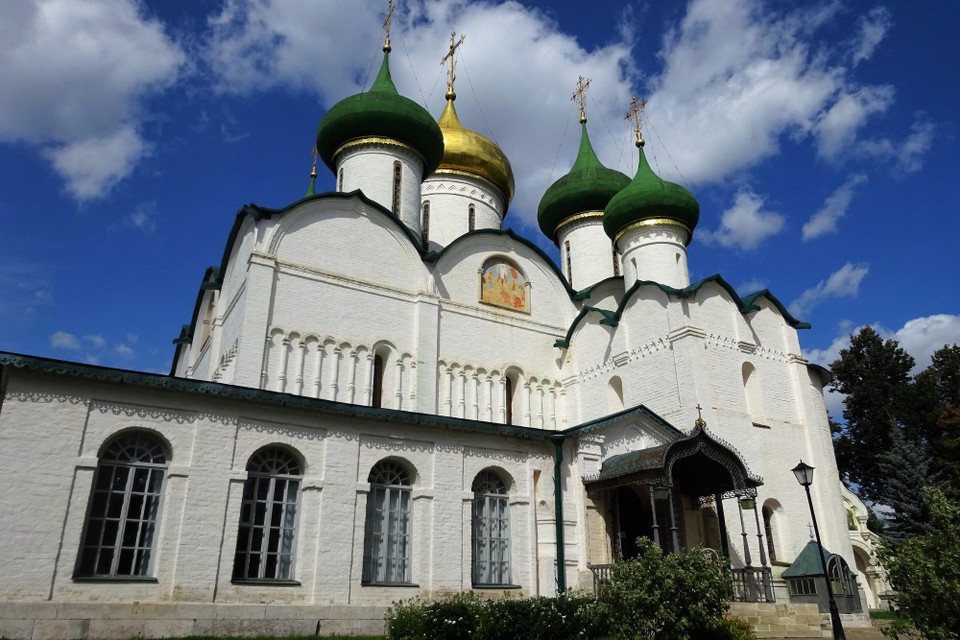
680, 495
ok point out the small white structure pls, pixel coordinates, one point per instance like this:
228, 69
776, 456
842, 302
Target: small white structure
382, 394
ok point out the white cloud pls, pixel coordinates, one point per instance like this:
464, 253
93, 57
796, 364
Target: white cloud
842, 283
751, 286
745, 224
75, 77
64, 340
908, 154
837, 128
873, 29
834, 207
96, 340
143, 218
93, 165
123, 351
920, 337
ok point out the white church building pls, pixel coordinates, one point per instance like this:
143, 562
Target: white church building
382, 393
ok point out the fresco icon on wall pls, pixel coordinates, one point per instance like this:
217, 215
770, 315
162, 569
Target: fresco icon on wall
502, 284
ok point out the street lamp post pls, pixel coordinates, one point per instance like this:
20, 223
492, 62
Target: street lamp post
804, 474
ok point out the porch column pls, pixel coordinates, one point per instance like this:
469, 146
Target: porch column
673, 524
763, 552
653, 511
722, 523
743, 531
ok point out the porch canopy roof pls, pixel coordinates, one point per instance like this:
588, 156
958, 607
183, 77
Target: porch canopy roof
699, 464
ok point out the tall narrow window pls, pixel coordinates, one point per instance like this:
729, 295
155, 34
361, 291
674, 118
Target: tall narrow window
397, 174
768, 531
387, 544
508, 399
376, 399
471, 218
491, 530
566, 249
268, 517
616, 261
124, 509
425, 224
340, 180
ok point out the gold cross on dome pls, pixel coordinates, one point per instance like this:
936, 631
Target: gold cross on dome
580, 97
454, 45
700, 421
634, 115
386, 25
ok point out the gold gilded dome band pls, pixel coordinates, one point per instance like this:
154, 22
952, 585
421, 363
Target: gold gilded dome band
655, 222
575, 218
387, 142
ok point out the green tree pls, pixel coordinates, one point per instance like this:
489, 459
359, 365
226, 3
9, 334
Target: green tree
925, 573
938, 388
676, 596
875, 376
905, 467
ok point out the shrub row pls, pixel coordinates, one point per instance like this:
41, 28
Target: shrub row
680, 596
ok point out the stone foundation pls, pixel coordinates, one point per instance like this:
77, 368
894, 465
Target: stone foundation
70, 621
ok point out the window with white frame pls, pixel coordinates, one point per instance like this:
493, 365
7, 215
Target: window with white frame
266, 538
491, 530
387, 539
120, 533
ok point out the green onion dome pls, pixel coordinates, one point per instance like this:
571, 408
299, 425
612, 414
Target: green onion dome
380, 112
648, 197
587, 187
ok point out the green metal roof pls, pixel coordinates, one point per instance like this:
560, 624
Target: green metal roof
648, 196
381, 112
588, 186
807, 564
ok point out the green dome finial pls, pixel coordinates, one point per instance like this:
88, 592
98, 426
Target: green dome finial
312, 189
380, 112
648, 197
587, 187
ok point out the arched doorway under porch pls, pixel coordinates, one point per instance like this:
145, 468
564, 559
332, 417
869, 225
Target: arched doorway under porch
675, 494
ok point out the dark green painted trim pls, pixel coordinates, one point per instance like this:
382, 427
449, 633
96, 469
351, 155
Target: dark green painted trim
745, 305
583, 294
751, 299
599, 423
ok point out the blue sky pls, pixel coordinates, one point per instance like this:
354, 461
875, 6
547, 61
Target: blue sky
819, 137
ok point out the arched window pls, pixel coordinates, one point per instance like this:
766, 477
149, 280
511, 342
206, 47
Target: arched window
566, 248
397, 173
768, 532
340, 180
752, 393
425, 224
508, 395
268, 517
471, 218
615, 394
119, 537
491, 530
376, 398
387, 544
616, 260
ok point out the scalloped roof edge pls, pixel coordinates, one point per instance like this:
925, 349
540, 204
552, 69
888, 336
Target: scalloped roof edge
612, 318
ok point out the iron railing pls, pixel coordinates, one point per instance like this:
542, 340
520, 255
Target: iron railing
750, 584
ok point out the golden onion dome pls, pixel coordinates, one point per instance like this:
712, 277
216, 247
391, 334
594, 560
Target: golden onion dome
470, 152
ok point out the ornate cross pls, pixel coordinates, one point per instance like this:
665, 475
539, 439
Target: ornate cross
454, 45
580, 98
386, 25
700, 421
634, 115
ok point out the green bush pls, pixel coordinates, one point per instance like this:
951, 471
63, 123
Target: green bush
728, 628
925, 574
676, 596
467, 615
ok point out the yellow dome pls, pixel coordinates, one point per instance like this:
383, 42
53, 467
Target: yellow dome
468, 151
